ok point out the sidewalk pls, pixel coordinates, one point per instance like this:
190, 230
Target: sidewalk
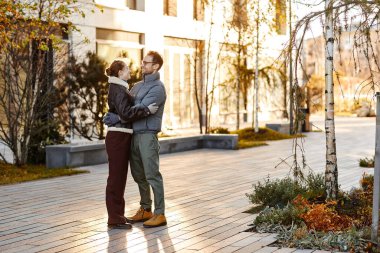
205, 199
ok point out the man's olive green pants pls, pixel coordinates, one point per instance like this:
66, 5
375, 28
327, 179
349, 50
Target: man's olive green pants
145, 162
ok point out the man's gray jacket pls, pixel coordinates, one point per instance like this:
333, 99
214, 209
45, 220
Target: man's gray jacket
149, 90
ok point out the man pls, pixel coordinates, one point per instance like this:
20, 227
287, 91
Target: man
144, 158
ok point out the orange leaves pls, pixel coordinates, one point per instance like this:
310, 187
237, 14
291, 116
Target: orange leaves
24, 20
322, 217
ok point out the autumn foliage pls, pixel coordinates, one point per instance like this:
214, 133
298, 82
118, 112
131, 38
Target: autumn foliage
322, 217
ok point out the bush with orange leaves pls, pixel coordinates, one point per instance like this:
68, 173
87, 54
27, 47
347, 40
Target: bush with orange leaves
322, 217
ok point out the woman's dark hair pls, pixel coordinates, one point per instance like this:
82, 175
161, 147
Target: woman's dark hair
156, 58
115, 67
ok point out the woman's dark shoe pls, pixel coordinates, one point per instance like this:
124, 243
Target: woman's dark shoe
120, 226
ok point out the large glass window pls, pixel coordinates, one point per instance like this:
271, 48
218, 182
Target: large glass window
117, 4
138, 5
110, 52
239, 13
167, 78
176, 84
198, 10
111, 45
181, 72
281, 17
170, 8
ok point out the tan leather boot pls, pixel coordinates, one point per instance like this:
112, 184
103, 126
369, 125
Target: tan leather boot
156, 221
141, 215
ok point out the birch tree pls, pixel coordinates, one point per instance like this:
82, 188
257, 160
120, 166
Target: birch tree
331, 172
362, 17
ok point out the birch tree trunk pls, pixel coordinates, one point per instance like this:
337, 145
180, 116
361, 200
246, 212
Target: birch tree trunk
291, 90
256, 84
239, 24
331, 172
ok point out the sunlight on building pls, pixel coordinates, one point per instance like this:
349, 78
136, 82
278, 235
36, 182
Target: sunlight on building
199, 46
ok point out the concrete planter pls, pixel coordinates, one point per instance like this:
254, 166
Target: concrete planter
90, 153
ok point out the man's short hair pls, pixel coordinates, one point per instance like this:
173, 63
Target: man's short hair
156, 58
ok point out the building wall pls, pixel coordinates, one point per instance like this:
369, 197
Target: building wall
353, 72
118, 28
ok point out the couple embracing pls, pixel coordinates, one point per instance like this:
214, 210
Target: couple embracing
133, 120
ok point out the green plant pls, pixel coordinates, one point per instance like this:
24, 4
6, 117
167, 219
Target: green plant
88, 95
271, 216
357, 203
313, 223
316, 189
44, 133
278, 192
367, 162
219, 130
299, 237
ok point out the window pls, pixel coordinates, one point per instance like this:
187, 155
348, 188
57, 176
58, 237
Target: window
170, 8
106, 34
112, 44
239, 14
198, 10
281, 17
138, 5
116, 4
182, 71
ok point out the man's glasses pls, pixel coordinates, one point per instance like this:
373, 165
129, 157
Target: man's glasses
146, 62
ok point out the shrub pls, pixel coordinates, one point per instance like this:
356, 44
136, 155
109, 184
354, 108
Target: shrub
302, 238
272, 216
342, 225
316, 189
358, 202
45, 132
366, 183
367, 162
218, 130
277, 192
321, 217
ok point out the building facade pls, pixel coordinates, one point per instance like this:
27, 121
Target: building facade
354, 84
180, 30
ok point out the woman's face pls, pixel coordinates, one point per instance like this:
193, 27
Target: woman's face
125, 74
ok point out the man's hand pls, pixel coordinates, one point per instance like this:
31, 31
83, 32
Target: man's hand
153, 108
111, 119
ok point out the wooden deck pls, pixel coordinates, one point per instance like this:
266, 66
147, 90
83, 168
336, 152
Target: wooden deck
205, 199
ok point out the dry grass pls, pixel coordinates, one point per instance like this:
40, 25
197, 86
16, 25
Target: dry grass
248, 138
11, 174
250, 144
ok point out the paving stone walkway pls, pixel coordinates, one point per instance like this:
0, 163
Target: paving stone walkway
205, 199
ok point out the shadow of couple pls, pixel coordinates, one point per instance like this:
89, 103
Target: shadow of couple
140, 239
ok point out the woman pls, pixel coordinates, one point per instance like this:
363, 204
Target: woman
118, 140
